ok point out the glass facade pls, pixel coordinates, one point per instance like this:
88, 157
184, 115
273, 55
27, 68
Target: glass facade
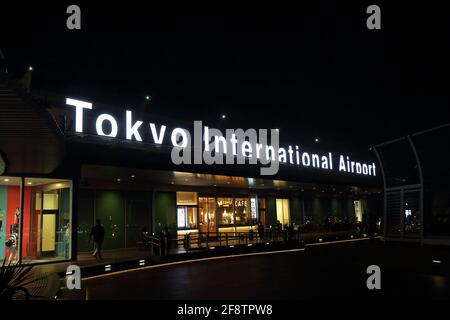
187, 217
187, 210
9, 218
213, 212
207, 214
41, 229
242, 211
283, 212
262, 211
225, 212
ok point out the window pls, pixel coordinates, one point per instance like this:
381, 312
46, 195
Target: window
358, 210
283, 211
187, 210
225, 211
242, 211
207, 216
47, 222
9, 218
262, 211
45, 217
187, 217
254, 208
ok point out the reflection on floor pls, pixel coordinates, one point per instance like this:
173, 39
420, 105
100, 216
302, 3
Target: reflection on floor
85, 259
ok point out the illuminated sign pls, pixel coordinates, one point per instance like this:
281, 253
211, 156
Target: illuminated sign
209, 146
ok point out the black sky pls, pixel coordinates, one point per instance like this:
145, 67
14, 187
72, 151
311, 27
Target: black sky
308, 70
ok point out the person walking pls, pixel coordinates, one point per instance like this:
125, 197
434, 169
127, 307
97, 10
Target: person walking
97, 235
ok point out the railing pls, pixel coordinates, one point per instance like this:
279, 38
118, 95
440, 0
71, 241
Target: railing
161, 244
200, 240
157, 244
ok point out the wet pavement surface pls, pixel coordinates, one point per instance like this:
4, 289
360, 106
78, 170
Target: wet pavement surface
332, 271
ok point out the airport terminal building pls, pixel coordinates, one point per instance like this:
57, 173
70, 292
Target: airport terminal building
66, 162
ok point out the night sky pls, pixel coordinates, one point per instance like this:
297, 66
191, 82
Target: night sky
310, 71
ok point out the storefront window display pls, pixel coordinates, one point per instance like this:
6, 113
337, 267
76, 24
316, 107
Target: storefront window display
242, 211
47, 222
187, 210
45, 219
10, 215
187, 217
262, 210
283, 215
225, 211
207, 214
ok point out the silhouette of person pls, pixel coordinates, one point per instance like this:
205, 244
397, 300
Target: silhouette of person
97, 235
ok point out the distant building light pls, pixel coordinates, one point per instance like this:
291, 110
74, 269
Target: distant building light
147, 97
212, 248
316, 140
224, 116
30, 68
108, 267
250, 244
320, 240
437, 261
118, 180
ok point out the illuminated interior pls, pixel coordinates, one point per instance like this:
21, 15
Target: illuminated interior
46, 219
